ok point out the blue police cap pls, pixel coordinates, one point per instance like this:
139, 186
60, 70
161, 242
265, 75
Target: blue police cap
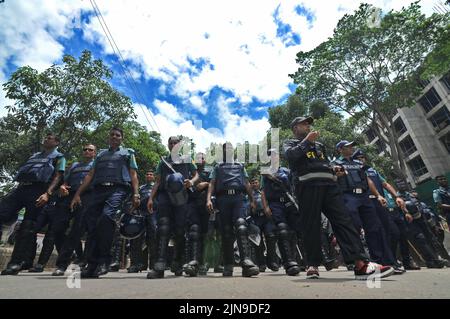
343, 143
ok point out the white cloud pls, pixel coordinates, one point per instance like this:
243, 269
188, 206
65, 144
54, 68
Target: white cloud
236, 129
29, 34
237, 37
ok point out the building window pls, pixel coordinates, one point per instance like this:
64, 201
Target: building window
446, 141
417, 166
370, 133
407, 145
445, 80
380, 146
399, 126
424, 83
440, 119
430, 100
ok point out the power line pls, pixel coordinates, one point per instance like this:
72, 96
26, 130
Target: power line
126, 72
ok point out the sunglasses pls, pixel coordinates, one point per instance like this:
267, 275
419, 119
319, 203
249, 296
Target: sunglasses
88, 149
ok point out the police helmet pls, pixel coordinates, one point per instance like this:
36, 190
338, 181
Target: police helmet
411, 207
175, 182
131, 226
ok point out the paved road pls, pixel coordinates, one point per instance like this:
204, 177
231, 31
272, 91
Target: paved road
339, 283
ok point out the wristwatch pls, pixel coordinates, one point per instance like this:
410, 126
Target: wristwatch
49, 193
138, 196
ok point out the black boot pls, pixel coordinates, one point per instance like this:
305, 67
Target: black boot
179, 253
116, 253
287, 255
136, 263
410, 264
193, 244
24, 244
272, 258
46, 252
162, 243
248, 267
90, 271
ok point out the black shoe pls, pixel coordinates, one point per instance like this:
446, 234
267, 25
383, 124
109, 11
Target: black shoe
37, 268
227, 271
273, 266
293, 270
331, 264
250, 271
262, 268
153, 274
435, 264
89, 272
12, 269
102, 269
114, 267
191, 269
58, 272
218, 269
134, 269
350, 267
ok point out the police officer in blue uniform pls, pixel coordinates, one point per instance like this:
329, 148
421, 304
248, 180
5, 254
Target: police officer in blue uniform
112, 177
38, 178
357, 188
383, 214
72, 182
197, 219
441, 197
317, 191
57, 213
229, 180
281, 210
141, 258
418, 231
171, 189
267, 229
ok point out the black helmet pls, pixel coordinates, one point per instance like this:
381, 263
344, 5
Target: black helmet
131, 226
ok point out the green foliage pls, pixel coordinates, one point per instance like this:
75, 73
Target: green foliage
75, 101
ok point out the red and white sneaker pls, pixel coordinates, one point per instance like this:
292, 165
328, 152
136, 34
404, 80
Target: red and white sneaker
373, 270
312, 273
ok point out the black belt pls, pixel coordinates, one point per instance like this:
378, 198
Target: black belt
355, 191
229, 192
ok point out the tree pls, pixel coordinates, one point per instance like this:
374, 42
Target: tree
68, 99
370, 70
75, 101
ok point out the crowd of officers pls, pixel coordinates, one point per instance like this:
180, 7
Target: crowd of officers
316, 212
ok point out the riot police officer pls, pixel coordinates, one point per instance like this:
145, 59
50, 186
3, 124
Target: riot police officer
172, 186
197, 219
72, 182
317, 191
141, 258
357, 188
229, 180
112, 176
383, 214
281, 209
57, 213
267, 229
38, 178
418, 231
441, 197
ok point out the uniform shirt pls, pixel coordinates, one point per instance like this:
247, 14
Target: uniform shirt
131, 158
60, 163
67, 176
214, 173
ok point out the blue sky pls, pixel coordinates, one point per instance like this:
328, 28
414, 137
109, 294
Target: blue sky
221, 63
